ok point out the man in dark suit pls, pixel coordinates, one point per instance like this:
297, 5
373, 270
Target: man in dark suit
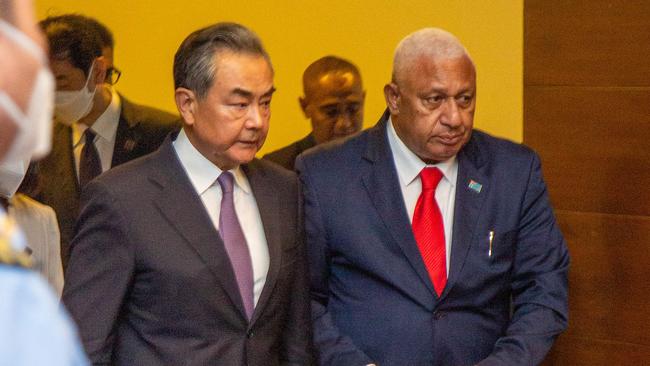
333, 102
122, 130
193, 255
430, 243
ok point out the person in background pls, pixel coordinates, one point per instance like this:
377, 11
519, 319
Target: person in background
95, 128
193, 255
34, 328
333, 102
430, 242
37, 221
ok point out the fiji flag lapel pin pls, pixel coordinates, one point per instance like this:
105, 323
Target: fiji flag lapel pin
475, 186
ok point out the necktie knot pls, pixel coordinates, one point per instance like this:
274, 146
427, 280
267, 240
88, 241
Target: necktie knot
89, 136
430, 178
226, 182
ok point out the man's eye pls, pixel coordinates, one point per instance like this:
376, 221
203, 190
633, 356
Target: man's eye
434, 99
331, 112
353, 108
465, 100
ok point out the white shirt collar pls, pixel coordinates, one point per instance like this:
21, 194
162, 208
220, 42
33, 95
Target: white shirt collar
105, 126
201, 171
409, 165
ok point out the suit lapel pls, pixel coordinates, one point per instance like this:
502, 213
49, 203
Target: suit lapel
184, 210
267, 203
468, 202
382, 183
63, 157
127, 136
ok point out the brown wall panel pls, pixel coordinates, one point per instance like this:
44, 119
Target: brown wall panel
587, 42
587, 113
609, 280
594, 144
576, 351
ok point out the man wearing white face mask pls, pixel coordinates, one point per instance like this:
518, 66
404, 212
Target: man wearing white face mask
96, 129
34, 328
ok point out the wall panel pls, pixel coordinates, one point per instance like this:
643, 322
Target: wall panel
587, 42
587, 113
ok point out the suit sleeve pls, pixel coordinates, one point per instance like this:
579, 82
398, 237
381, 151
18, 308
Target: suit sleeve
297, 337
53, 248
99, 272
539, 282
332, 347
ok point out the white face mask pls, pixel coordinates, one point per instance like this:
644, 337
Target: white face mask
12, 173
71, 106
34, 132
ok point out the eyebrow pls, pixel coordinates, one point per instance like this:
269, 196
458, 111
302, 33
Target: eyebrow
248, 94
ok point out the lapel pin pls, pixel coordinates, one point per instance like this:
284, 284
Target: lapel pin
129, 145
475, 186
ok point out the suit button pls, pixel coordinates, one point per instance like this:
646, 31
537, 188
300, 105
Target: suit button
249, 334
439, 315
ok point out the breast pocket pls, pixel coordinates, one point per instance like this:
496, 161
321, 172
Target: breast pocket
501, 246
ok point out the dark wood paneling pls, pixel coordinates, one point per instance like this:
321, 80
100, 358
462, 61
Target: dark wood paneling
594, 144
609, 279
587, 42
569, 351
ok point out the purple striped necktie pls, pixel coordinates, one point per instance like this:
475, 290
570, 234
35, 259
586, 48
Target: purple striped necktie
235, 242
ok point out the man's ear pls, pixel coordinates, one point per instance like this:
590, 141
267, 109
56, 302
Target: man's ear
186, 102
303, 105
99, 71
392, 96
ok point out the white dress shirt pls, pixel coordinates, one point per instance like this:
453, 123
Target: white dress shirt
408, 167
105, 128
203, 174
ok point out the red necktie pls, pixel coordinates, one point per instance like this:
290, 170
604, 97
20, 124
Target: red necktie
429, 231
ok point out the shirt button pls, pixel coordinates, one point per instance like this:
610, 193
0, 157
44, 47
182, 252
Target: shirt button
249, 334
439, 315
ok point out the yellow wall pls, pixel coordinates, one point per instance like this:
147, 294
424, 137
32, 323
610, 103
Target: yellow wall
296, 33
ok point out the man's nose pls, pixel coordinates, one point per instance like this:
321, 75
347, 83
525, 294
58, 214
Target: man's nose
451, 113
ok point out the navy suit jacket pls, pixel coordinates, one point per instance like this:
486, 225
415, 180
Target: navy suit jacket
372, 300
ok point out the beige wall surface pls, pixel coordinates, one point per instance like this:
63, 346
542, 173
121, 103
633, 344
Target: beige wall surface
295, 33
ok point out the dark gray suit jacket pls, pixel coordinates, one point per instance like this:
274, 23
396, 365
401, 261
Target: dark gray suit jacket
287, 155
140, 131
149, 281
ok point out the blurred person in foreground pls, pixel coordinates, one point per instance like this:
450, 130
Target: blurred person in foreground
34, 328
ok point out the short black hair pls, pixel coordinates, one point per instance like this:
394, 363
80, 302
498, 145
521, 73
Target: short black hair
72, 39
324, 65
195, 63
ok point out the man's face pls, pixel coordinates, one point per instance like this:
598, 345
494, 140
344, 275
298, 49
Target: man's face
334, 104
432, 107
230, 124
67, 76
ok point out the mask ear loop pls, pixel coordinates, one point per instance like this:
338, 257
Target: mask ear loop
14, 112
27, 44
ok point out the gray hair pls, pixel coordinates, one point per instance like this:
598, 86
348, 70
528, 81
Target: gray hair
433, 43
196, 59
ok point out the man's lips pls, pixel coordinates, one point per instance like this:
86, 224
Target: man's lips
450, 139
